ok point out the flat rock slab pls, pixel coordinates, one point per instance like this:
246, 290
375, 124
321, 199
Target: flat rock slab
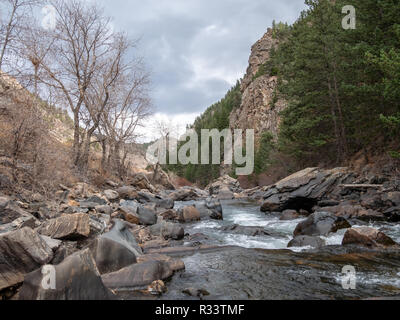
21, 252
67, 227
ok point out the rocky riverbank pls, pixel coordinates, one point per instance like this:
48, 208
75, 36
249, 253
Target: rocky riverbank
137, 242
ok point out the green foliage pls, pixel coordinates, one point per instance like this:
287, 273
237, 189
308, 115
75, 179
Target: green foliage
215, 117
263, 155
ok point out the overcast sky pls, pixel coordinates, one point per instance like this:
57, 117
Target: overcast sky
196, 49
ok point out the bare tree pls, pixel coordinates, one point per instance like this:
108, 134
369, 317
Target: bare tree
79, 52
14, 22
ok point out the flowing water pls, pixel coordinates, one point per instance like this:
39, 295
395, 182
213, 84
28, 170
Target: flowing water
263, 268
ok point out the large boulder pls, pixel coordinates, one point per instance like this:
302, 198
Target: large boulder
9, 211
307, 241
225, 194
137, 214
67, 227
77, 278
147, 216
210, 210
303, 190
189, 214
168, 230
21, 252
321, 224
368, 237
138, 275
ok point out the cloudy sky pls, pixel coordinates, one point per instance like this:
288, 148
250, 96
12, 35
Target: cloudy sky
196, 49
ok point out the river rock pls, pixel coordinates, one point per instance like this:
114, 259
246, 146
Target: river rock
321, 224
349, 211
168, 230
121, 234
77, 278
21, 252
288, 215
307, 241
111, 195
67, 227
189, 214
393, 214
368, 237
147, 216
127, 193
302, 190
248, 231
138, 275
225, 194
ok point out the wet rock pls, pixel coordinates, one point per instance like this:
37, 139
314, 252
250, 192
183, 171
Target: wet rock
307, 241
288, 215
127, 193
197, 293
248, 231
67, 227
111, 195
189, 214
168, 230
368, 237
321, 223
393, 214
77, 278
21, 252
138, 275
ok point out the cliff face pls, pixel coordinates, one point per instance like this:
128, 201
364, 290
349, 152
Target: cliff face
259, 109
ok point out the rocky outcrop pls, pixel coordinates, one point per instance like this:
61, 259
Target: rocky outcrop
303, 189
367, 237
21, 252
259, 109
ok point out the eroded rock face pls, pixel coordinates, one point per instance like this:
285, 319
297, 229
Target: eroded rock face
367, 237
321, 224
67, 227
21, 252
77, 278
258, 109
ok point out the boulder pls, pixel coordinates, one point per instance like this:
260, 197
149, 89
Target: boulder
67, 227
10, 211
303, 190
168, 230
321, 224
368, 237
147, 216
225, 194
393, 214
248, 231
210, 210
225, 183
111, 195
349, 211
138, 275
141, 182
170, 215
189, 214
21, 252
307, 241
288, 215
77, 278
127, 193
165, 203
137, 214
173, 263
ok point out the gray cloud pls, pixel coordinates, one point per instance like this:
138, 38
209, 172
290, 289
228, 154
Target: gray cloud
196, 49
